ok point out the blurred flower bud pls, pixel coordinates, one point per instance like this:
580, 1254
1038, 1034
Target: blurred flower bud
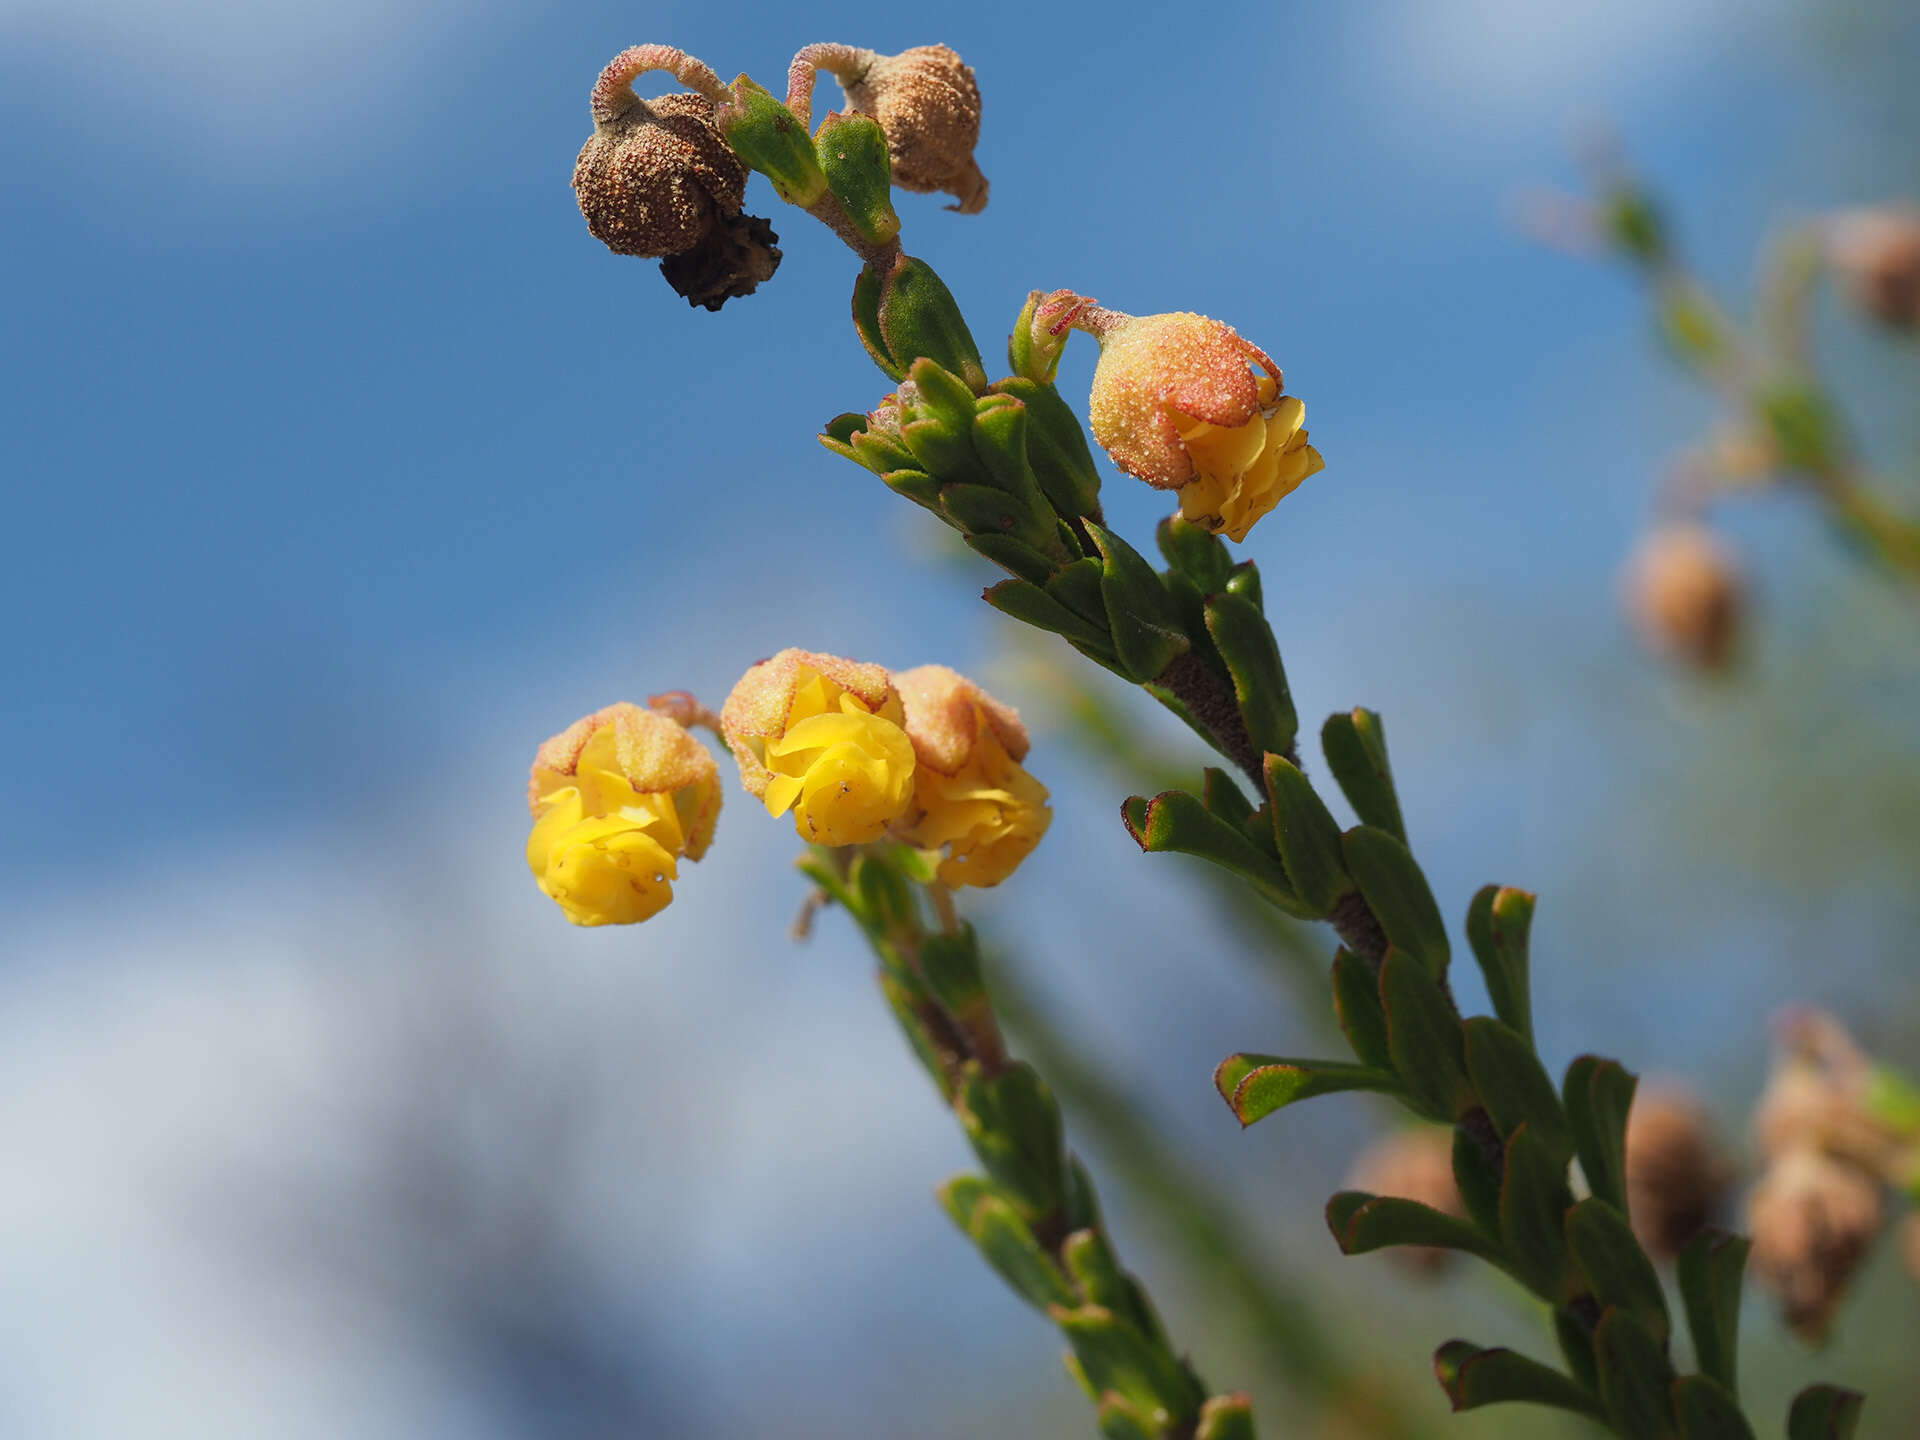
1822, 1094
971, 799
1413, 1164
1685, 595
1812, 1218
1877, 256
656, 179
822, 737
1176, 401
617, 799
1677, 1177
927, 101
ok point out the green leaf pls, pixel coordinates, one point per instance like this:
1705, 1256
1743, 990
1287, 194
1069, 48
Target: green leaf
1096, 1270
1473, 1377
1478, 1182
1707, 1410
1397, 893
1598, 1094
1824, 1412
1363, 1019
866, 320
1196, 552
1223, 798
906, 1004
1355, 745
1077, 586
1308, 837
1711, 1271
1618, 1271
1362, 1223
1176, 821
1003, 1238
1013, 1123
1246, 644
1146, 634
1534, 1200
1014, 556
1226, 1417
1497, 926
1576, 1347
1083, 1201
1113, 1355
1000, 440
919, 318
1254, 1086
981, 509
950, 964
939, 394
1635, 1378
1244, 581
1028, 603
1514, 1085
1119, 1420
1424, 1038
1057, 447
879, 451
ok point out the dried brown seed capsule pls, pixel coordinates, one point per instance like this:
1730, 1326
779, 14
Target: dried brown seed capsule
927, 101
1684, 593
1813, 1218
1877, 256
656, 179
1414, 1164
1677, 1177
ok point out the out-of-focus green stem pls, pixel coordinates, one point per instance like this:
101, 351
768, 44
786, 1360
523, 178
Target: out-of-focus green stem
1280, 1313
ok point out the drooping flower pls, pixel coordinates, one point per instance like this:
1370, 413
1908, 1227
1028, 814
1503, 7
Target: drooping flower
973, 803
822, 737
1683, 591
1677, 1176
926, 101
1877, 255
1186, 404
617, 799
657, 179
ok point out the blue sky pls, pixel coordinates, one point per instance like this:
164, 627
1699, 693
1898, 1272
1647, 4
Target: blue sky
342, 466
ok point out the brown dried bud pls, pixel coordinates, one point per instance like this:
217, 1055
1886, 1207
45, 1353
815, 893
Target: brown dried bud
1813, 1219
927, 101
1877, 256
1684, 593
1415, 1164
1817, 1096
1677, 1177
656, 179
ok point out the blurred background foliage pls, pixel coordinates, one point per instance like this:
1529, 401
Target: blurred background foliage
342, 467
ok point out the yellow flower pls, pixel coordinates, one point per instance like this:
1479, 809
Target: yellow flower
617, 799
821, 736
972, 800
1176, 401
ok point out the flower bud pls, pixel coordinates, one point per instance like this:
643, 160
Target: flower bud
1176, 401
971, 798
1877, 256
617, 799
656, 179
1677, 1177
1813, 1218
822, 737
1684, 593
1413, 1164
927, 101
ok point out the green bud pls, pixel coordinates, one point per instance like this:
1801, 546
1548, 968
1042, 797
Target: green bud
852, 151
1634, 225
906, 314
769, 138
